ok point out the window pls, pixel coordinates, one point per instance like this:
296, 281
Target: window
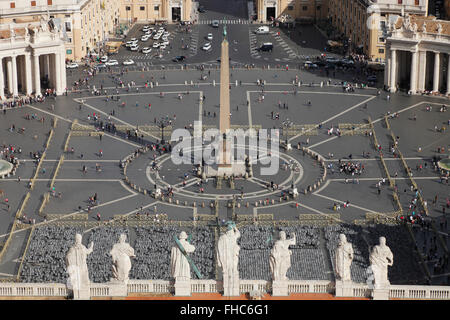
128, 8
305, 8
156, 8
33, 3
380, 50
69, 40
68, 26
380, 39
49, 2
142, 8
69, 51
400, 1
12, 5
416, 2
320, 7
290, 8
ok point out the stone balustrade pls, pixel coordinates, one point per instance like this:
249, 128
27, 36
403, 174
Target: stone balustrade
359, 290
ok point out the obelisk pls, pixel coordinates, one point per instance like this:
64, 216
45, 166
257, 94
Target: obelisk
224, 149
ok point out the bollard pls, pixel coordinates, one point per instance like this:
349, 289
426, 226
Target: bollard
214, 83
194, 205
238, 205
273, 201
177, 201
281, 199
211, 205
185, 203
185, 82
246, 205
256, 203
145, 191
236, 83
203, 204
192, 83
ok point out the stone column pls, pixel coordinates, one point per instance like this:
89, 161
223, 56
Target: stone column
28, 74
46, 59
36, 74
422, 70
2, 82
393, 84
14, 75
387, 68
414, 67
63, 70
448, 75
9, 75
437, 63
57, 74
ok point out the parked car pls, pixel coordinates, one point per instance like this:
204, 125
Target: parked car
215, 23
156, 45
112, 63
201, 9
144, 38
267, 46
310, 65
206, 46
146, 50
262, 30
209, 37
179, 58
134, 47
128, 62
72, 65
104, 59
162, 46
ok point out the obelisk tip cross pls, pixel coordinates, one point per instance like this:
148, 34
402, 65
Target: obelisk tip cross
225, 32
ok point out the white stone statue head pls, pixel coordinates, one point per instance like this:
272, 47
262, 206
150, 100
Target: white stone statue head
382, 241
78, 238
342, 239
183, 235
282, 235
122, 238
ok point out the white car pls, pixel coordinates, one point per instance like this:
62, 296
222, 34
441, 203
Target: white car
162, 46
206, 46
209, 36
146, 50
133, 40
128, 44
104, 59
166, 43
157, 36
72, 65
156, 45
162, 29
112, 63
134, 47
128, 62
144, 38
166, 34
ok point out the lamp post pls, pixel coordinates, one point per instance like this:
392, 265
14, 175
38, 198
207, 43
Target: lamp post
285, 125
163, 123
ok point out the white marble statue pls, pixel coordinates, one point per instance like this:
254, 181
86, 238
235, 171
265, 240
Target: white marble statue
380, 258
121, 253
280, 257
424, 27
439, 28
228, 253
343, 258
76, 264
179, 265
44, 25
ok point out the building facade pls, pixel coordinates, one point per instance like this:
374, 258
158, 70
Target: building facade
308, 10
85, 23
32, 58
418, 55
155, 11
364, 22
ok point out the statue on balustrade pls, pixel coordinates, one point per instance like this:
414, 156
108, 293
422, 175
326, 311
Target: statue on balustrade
380, 258
179, 264
121, 254
280, 257
76, 264
344, 258
228, 253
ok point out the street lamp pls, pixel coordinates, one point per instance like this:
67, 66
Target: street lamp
163, 123
285, 125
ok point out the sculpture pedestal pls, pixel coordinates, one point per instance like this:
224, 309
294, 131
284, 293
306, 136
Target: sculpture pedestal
344, 288
182, 288
118, 289
381, 293
231, 288
82, 294
279, 288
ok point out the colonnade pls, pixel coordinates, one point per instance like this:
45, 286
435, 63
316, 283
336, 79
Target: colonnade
23, 73
424, 66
